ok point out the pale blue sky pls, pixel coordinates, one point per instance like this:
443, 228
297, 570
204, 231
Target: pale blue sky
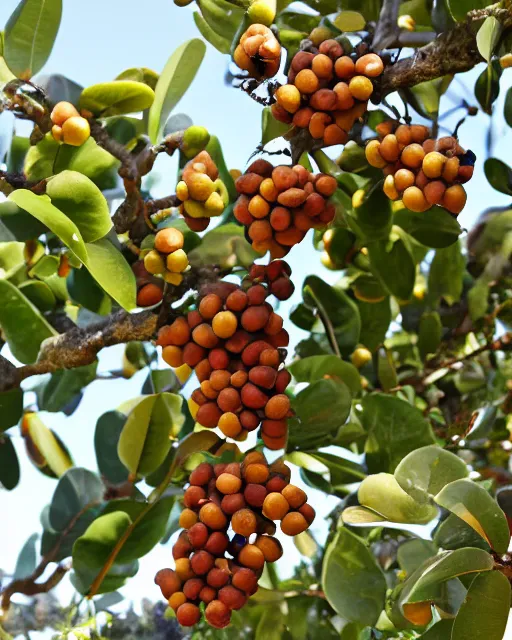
98, 40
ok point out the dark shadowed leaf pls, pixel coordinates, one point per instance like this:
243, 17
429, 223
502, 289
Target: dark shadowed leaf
63, 386
435, 228
487, 86
76, 490
11, 408
375, 320
412, 553
430, 332
9, 464
499, 175
27, 558
106, 438
393, 264
447, 270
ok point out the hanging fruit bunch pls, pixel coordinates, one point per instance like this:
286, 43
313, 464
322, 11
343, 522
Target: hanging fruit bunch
246, 498
279, 205
327, 91
69, 126
258, 52
235, 343
202, 193
420, 170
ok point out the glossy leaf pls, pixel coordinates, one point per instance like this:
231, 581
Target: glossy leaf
39, 294
173, 82
427, 470
393, 264
116, 98
84, 291
348, 568
394, 429
477, 508
63, 386
106, 437
412, 553
140, 74
375, 320
82, 202
442, 630
270, 127
9, 464
11, 408
446, 274
487, 86
361, 516
215, 150
435, 228
19, 224
221, 43
499, 175
488, 36
372, 220
57, 221
27, 558
112, 272
338, 470
382, 493
29, 36
485, 610
146, 436
93, 548
318, 367
22, 323
76, 490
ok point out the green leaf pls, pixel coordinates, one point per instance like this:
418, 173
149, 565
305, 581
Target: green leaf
82, 202
349, 21
93, 548
425, 471
412, 553
318, 367
12, 261
487, 86
488, 36
454, 533
361, 516
84, 290
270, 127
145, 439
40, 294
426, 96
42, 209
337, 308
270, 624
375, 321
22, 324
149, 530
442, 630
477, 508
226, 246
339, 471
49, 157
507, 109
46, 449
116, 98
11, 408
394, 429
460, 8
349, 568
435, 228
306, 544
373, 218
393, 264
106, 437
386, 369
174, 81
18, 223
76, 490
140, 74
210, 35
430, 332
499, 175
446, 275
484, 613
112, 272
9, 464
83, 577
322, 408
63, 386
27, 558
382, 493
29, 36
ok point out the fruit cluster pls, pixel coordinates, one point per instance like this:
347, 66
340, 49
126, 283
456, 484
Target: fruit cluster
201, 191
278, 205
258, 52
235, 341
327, 91
166, 261
68, 125
247, 498
419, 170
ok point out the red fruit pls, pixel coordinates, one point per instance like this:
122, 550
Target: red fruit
192, 587
253, 397
251, 354
263, 376
202, 474
283, 380
255, 318
198, 535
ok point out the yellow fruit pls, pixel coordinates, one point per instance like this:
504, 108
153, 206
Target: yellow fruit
407, 22
182, 190
214, 204
506, 61
235, 173
390, 188
200, 186
373, 154
433, 164
57, 133
262, 12
193, 407
62, 111
360, 357
177, 261
183, 373
195, 209
75, 131
173, 278
358, 198
288, 97
154, 263
361, 87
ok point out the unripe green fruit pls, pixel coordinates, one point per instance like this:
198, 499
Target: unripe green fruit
214, 204
195, 140
154, 263
262, 12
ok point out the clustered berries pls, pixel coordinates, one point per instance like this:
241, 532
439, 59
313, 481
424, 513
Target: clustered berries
235, 342
278, 205
258, 52
327, 91
228, 536
68, 125
419, 170
201, 191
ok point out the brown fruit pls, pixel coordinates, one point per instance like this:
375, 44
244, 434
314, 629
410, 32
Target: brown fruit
202, 474
210, 305
249, 420
274, 428
256, 294
217, 614
194, 318
207, 594
293, 523
208, 391
245, 579
192, 496
239, 378
326, 185
232, 597
168, 581
260, 231
302, 60
212, 516
323, 100
192, 588
389, 148
220, 379
255, 318
201, 562
454, 198
255, 494
256, 473
193, 354
232, 503
218, 359
303, 117
252, 557
217, 543
229, 400
188, 614
238, 342
237, 300
282, 288
308, 512
244, 522
295, 496
209, 415
276, 483
434, 191
263, 377
280, 218
331, 48
270, 547
283, 380
198, 535
252, 397
274, 444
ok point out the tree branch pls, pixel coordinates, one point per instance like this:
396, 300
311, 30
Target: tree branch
387, 27
454, 51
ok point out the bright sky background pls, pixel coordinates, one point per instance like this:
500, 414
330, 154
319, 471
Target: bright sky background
97, 40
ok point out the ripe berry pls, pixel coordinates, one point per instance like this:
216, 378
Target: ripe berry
270, 547
227, 483
243, 522
212, 516
188, 614
245, 579
232, 597
252, 557
217, 578
275, 506
168, 581
169, 240
217, 614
